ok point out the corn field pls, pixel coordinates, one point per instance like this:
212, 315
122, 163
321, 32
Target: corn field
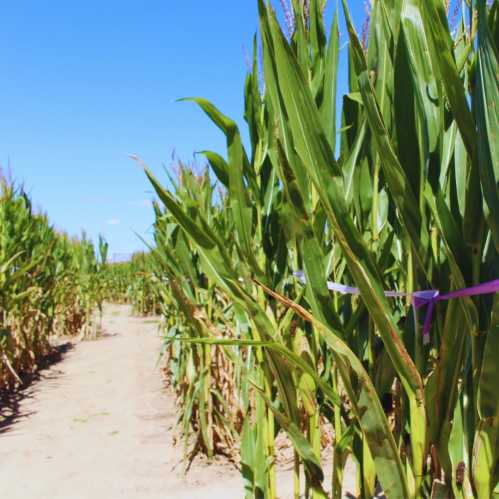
48, 285
394, 190
133, 282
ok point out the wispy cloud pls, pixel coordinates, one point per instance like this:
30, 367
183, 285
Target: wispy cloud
143, 203
113, 221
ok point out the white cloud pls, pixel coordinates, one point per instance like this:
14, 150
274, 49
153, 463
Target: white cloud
143, 203
114, 221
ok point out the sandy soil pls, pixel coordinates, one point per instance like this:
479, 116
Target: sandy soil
99, 424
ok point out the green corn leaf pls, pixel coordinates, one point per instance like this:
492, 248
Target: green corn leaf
301, 445
442, 54
238, 169
317, 158
218, 165
417, 56
247, 458
400, 187
485, 451
488, 120
328, 105
292, 358
367, 406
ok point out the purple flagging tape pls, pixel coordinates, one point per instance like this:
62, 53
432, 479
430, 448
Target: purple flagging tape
427, 298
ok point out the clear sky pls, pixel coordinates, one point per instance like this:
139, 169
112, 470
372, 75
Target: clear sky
85, 84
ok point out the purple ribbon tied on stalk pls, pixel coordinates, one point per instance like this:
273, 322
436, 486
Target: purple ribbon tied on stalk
427, 298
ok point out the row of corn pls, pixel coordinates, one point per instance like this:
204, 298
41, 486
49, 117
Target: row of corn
394, 189
48, 285
133, 282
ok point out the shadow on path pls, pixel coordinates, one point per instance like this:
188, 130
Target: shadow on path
10, 400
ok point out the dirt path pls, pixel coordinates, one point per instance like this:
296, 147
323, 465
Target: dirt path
97, 426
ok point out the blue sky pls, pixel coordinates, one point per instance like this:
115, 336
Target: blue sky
85, 84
